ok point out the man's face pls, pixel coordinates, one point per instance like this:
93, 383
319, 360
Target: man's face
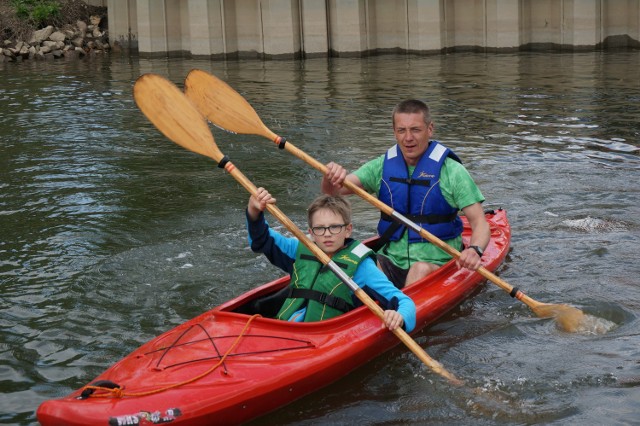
412, 135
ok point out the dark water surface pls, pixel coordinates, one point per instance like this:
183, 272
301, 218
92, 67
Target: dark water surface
111, 234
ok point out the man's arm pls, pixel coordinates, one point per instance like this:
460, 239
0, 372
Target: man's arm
480, 235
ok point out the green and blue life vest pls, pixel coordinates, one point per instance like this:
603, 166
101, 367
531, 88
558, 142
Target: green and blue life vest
316, 286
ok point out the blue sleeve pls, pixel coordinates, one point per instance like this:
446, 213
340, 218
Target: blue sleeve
280, 250
370, 276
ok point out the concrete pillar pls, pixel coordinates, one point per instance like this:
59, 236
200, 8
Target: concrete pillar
280, 28
183, 27
542, 22
123, 23
347, 27
386, 24
280, 21
465, 21
160, 26
621, 21
206, 29
581, 23
152, 26
244, 26
315, 33
502, 24
426, 25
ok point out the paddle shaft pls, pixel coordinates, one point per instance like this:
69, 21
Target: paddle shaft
326, 260
226, 108
385, 208
176, 117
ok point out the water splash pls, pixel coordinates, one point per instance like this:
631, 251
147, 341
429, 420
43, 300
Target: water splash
594, 325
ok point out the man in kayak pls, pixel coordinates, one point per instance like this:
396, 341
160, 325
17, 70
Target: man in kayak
315, 292
426, 182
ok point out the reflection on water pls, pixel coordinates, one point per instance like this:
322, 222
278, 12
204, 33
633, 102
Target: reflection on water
111, 234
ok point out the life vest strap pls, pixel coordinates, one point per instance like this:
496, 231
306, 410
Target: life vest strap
411, 181
320, 297
421, 218
430, 219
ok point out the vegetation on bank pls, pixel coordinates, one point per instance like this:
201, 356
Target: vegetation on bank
20, 18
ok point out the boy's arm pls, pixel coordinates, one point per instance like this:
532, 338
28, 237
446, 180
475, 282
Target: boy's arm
369, 275
280, 250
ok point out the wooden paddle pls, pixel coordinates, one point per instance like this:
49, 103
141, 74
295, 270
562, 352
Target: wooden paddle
226, 108
176, 117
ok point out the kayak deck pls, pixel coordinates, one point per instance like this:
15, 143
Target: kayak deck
227, 366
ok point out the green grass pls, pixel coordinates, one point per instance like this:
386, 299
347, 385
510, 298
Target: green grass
38, 12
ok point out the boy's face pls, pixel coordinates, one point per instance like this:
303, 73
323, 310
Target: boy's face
329, 243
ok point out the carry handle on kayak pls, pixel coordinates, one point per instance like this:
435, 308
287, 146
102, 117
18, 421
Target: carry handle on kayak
176, 117
227, 109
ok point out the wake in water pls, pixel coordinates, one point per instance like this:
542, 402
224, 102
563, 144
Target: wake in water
590, 224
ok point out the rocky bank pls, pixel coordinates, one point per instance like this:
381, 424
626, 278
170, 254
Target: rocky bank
81, 38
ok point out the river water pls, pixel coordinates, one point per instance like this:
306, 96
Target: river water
111, 234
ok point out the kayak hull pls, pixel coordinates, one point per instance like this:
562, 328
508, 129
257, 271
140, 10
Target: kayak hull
226, 367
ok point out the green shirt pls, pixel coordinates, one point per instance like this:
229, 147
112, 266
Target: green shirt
458, 189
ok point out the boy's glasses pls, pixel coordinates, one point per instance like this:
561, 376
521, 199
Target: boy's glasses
333, 229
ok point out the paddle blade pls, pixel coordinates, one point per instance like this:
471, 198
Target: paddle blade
223, 106
569, 319
174, 115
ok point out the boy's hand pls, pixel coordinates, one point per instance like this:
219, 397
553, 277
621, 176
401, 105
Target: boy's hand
392, 319
258, 202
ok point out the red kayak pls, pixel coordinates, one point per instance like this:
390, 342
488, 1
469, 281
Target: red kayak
228, 366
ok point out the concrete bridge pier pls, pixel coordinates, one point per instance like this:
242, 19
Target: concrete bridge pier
306, 28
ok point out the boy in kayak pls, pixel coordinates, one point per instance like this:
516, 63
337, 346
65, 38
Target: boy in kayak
315, 293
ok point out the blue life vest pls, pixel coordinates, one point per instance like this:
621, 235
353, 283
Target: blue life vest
418, 197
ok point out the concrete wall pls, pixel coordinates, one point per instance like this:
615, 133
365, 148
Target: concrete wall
306, 28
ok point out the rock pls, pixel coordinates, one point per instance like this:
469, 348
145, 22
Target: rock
57, 36
68, 41
41, 35
71, 54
